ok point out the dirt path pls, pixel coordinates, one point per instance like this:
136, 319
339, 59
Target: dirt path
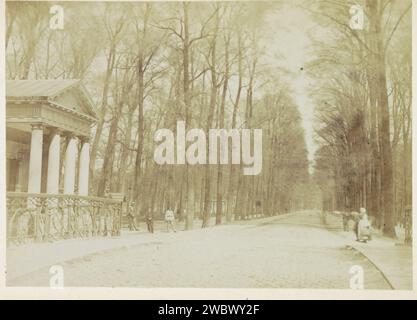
291, 252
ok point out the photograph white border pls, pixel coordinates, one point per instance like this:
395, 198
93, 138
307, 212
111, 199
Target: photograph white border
185, 293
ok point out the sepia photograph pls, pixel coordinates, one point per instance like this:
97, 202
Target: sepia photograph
208, 144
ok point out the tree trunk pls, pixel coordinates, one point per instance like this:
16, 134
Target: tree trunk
121, 185
103, 109
378, 59
210, 117
233, 185
219, 197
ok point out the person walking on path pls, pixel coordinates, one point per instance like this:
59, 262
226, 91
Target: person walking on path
364, 226
345, 220
149, 223
169, 219
356, 218
131, 216
361, 223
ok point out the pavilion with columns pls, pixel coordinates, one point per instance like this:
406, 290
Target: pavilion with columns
48, 126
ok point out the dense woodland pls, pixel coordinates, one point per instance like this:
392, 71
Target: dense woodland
149, 65
363, 109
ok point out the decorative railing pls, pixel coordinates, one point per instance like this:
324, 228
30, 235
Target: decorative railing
46, 217
408, 225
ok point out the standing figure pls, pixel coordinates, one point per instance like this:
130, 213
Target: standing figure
169, 219
131, 216
356, 217
364, 227
345, 218
149, 223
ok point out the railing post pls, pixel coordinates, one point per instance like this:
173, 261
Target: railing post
408, 225
38, 215
42, 217
61, 209
48, 214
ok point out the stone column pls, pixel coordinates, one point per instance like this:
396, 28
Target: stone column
52, 184
18, 187
35, 160
21, 180
84, 167
70, 161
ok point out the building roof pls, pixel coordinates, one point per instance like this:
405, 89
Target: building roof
47, 89
37, 88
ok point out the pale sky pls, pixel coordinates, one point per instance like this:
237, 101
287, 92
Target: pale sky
289, 49
287, 46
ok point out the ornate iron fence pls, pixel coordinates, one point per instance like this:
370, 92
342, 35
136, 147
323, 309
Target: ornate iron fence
408, 225
46, 217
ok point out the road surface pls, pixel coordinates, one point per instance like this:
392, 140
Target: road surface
294, 251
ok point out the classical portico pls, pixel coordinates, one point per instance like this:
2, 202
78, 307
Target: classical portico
48, 126
47, 138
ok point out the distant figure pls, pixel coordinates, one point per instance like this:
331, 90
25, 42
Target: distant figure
356, 217
131, 216
107, 191
364, 227
361, 219
149, 223
345, 218
169, 219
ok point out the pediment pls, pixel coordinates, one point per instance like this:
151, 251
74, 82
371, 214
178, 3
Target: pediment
75, 99
69, 94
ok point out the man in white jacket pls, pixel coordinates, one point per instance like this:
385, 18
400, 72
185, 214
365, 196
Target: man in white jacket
364, 227
169, 219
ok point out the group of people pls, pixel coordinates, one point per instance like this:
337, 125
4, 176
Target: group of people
362, 225
169, 219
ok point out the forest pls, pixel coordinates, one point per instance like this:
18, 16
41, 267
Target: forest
362, 89
149, 65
